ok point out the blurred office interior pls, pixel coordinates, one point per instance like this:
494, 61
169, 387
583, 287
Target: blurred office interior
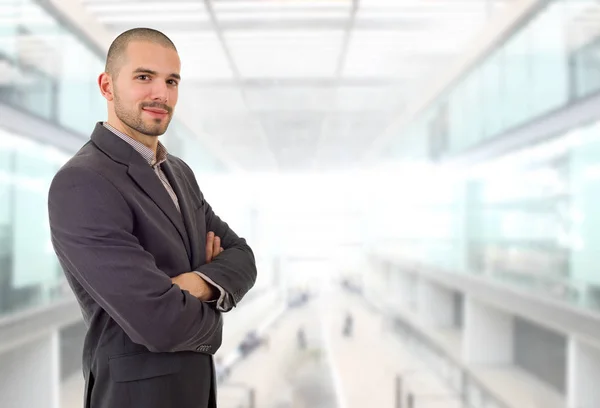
417, 179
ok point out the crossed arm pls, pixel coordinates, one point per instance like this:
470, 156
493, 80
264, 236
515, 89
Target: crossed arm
193, 282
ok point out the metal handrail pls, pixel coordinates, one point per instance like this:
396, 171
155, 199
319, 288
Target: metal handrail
468, 377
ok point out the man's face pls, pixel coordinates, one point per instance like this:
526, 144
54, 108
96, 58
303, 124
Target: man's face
146, 87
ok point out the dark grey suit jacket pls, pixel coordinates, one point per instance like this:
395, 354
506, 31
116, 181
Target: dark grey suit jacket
119, 239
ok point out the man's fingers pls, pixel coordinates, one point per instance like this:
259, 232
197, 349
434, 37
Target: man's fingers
210, 237
216, 246
213, 246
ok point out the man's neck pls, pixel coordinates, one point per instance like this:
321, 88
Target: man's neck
148, 141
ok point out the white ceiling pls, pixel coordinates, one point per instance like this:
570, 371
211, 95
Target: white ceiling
290, 85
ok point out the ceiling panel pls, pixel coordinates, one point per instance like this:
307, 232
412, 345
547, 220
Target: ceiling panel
290, 98
261, 15
238, 135
399, 54
115, 7
285, 54
346, 135
369, 98
250, 6
293, 137
141, 12
202, 56
236, 130
206, 100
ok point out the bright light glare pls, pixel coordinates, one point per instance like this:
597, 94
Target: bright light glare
449, 17
339, 213
156, 7
283, 36
286, 5
278, 15
154, 18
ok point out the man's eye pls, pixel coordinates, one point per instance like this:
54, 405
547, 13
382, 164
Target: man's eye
172, 82
143, 77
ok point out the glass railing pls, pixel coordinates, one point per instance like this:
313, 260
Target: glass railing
471, 392
548, 62
528, 220
466, 389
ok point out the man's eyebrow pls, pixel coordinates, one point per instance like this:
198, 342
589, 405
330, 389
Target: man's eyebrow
142, 70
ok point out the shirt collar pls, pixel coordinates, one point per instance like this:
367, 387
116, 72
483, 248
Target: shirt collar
146, 152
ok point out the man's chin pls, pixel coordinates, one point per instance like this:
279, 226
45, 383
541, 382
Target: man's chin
156, 129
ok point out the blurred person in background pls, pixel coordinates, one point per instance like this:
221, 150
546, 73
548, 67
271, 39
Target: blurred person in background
301, 338
348, 325
150, 263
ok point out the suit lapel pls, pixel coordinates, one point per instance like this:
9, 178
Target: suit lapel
146, 178
186, 207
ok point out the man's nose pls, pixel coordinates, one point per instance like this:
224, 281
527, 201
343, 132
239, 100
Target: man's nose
160, 92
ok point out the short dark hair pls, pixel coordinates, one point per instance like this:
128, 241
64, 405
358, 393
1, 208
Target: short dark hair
117, 49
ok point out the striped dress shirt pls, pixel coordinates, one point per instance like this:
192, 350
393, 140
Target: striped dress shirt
155, 161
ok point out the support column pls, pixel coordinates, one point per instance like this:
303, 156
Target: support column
406, 288
435, 304
488, 334
30, 374
582, 374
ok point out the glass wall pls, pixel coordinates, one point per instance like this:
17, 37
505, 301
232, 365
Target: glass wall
537, 221
29, 272
520, 222
50, 72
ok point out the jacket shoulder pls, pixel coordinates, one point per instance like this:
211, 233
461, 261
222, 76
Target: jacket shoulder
90, 158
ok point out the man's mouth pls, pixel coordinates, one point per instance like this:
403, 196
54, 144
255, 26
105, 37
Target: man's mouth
156, 112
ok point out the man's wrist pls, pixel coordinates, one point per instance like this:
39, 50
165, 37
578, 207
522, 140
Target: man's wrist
207, 292
223, 299
212, 292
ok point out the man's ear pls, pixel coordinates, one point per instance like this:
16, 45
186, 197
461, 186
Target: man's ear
106, 86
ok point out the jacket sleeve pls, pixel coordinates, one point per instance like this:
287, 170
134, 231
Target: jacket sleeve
92, 233
234, 269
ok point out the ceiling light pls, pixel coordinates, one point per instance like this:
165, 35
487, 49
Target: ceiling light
155, 18
146, 7
286, 5
272, 15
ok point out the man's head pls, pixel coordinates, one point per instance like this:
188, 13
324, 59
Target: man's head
141, 81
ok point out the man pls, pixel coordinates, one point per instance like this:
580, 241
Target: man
150, 263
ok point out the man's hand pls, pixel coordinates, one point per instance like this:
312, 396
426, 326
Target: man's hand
194, 283
197, 286
213, 246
